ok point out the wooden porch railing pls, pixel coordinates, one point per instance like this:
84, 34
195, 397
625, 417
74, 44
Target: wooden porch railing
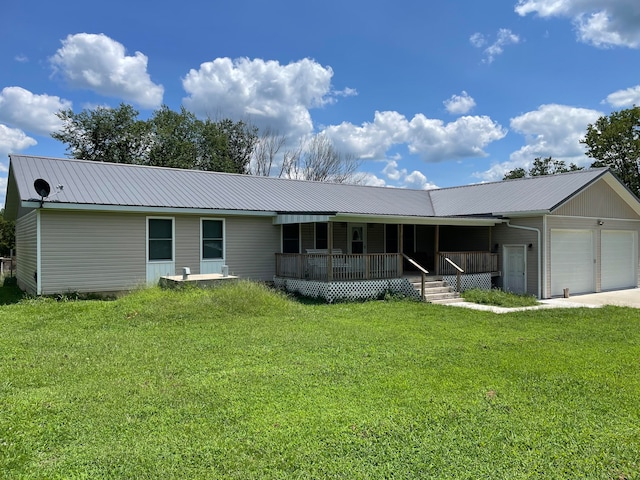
423, 271
470, 262
343, 267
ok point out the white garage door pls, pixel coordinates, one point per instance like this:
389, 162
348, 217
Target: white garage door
572, 265
619, 259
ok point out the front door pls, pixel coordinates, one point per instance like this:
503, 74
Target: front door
358, 240
515, 268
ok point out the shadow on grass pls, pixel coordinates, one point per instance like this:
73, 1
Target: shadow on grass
9, 292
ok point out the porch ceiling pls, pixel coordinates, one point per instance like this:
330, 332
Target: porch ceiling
282, 219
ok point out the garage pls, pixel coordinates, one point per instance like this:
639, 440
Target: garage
619, 259
572, 260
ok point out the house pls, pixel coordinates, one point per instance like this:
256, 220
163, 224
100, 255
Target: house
107, 227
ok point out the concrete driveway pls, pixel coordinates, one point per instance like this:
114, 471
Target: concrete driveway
620, 298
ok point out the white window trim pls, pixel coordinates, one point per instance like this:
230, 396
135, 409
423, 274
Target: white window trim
224, 240
173, 239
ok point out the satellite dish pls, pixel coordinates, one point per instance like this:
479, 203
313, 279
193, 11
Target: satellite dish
42, 187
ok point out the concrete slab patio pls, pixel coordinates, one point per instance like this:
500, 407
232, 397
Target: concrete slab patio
620, 298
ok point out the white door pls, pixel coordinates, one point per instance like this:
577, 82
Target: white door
572, 261
618, 259
161, 252
515, 268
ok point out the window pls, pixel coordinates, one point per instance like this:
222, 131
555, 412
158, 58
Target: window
322, 235
160, 232
212, 239
291, 238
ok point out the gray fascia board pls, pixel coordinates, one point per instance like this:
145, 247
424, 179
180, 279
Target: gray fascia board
408, 220
142, 209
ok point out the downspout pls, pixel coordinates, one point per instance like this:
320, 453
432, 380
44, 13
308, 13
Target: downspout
539, 269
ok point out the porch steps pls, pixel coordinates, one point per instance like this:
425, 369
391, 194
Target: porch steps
436, 290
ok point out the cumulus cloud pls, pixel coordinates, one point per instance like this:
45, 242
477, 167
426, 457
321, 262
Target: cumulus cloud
13, 140
402, 178
99, 63
551, 130
263, 92
28, 111
602, 23
431, 139
625, 98
504, 37
460, 104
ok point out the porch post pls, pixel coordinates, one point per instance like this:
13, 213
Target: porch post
330, 252
437, 250
400, 245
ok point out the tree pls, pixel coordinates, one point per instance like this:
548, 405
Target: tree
542, 166
614, 142
265, 155
166, 139
7, 235
104, 134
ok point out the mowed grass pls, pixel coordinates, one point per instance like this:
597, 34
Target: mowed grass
241, 382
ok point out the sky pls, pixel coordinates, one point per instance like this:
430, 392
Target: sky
425, 94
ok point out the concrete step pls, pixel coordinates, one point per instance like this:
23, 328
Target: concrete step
429, 297
441, 289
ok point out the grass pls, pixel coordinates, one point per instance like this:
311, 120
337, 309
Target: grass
241, 382
499, 298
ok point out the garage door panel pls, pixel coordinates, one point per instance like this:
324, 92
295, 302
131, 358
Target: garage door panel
572, 266
618, 259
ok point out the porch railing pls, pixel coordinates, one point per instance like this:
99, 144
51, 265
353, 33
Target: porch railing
338, 267
470, 262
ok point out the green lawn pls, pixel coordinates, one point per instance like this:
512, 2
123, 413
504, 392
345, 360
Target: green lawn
240, 382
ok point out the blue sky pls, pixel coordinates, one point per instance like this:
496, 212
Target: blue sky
425, 93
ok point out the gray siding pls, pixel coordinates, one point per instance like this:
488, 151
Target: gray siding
251, 246
188, 243
504, 235
92, 252
27, 251
598, 200
307, 233
340, 236
375, 238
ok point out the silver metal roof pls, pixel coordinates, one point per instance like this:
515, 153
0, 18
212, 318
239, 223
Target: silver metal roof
117, 185
536, 194
98, 183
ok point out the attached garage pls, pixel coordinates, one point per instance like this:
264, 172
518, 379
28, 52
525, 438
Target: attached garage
618, 259
572, 260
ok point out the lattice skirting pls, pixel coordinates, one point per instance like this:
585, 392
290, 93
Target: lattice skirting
472, 280
363, 290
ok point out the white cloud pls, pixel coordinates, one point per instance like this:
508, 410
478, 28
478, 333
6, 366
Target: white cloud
460, 104
371, 180
263, 92
551, 130
504, 37
21, 58
31, 112
13, 140
478, 40
602, 23
625, 98
402, 178
99, 63
432, 139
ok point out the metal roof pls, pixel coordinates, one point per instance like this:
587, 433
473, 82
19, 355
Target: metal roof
519, 196
88, 183
100, 183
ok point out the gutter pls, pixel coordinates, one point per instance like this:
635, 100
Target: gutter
537, 230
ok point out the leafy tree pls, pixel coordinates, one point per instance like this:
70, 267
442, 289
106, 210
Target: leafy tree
542, 166
104, 134
614, 141
7, 235
167, 139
